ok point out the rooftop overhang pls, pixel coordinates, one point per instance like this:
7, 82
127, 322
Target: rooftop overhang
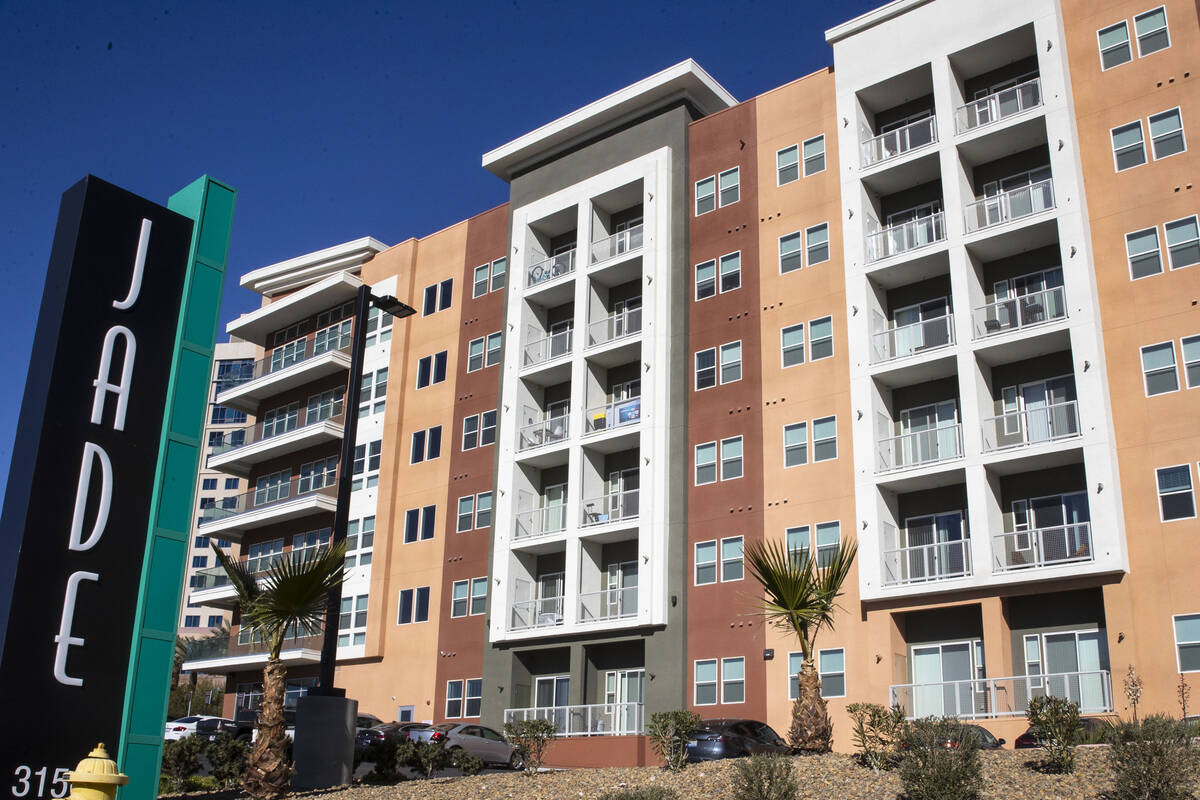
683, 81
871, 19
301, 271
326, 292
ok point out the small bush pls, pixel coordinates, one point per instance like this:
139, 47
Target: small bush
531, 737
428, 757
940, 760
876, 733
180, 761
1055, 722
227, 756
467, 764
669, 733
388, 757
765, 777
1154, 760
641, 793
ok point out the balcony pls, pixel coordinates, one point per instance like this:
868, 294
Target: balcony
906, 237
1016, 313
618, 414
247, 651
926, 563
1042, 547
608, 604
614, 327
539, 522
919, 448
619, 244
297, 498
289, 367
602, 719
609, 508
546, 612
547, 349
998, 106
1031, 426
551, 430
1003, 697
242, 448
550, 268
896, 143
907, 340
1011, 205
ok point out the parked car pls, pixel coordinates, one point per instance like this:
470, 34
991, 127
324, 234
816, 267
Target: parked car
1090, 729
731, 738
483, 743
395, 731
213, 726
986, 740
184, 726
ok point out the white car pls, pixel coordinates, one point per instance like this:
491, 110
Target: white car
182, 727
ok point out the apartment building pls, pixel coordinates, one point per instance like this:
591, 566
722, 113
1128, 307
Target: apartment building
935, 299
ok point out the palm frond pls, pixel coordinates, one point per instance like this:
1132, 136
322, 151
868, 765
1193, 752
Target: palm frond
295, 590
239, 576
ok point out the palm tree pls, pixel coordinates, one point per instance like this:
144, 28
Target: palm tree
289, 597
801, 597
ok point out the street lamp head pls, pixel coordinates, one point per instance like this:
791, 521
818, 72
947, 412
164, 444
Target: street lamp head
391, 305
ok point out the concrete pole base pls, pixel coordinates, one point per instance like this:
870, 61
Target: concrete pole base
324, 745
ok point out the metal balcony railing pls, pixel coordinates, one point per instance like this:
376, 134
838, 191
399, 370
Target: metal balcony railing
546, 612
919, 448
892, 144
608, 604
1024, 311
250, 643
550, 430
614, 507
213, 577
618, 244
262, 431
998, 106
1042, 547
550, 268
615, 326
612, 415
1003, 697
602, 719
1014, 204
548, 348
539, 521
267, 496
916, 337
294, 353
925, 563
1031, 426
906, 237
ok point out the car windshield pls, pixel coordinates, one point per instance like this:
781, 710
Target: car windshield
187, 719
446, 727
985, 736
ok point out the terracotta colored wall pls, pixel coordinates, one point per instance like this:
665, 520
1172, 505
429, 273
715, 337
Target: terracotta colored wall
601, 751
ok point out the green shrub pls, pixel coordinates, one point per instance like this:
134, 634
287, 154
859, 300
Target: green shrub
669, 733
765, 777
641, 793
1153, 760
227, 756
428, 757
388, 757
876, 733
940, 760
1055, 723
467, 764
200, 783
180, 761
531, 737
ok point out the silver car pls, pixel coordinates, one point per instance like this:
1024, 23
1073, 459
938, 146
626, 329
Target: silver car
483, 743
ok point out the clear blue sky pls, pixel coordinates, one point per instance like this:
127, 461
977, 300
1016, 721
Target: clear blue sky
333, 120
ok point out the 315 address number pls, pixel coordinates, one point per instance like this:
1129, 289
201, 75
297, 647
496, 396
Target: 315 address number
30, 782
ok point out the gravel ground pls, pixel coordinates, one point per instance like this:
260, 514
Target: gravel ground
1007, 776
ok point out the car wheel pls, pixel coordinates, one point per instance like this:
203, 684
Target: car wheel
516, 762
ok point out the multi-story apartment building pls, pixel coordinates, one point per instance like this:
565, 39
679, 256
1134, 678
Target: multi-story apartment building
938, 301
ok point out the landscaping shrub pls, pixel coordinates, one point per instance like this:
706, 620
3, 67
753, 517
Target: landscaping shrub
531, 737
466, 763
227, 757
876, 733
180, 761
1055, 722
388, 757
669, 732
428, 757
765, 777
1153, 760
641, 793
940, 760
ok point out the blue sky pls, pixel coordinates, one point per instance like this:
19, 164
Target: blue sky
333, 120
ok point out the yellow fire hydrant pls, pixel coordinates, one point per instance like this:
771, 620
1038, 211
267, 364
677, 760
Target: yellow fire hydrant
96, 777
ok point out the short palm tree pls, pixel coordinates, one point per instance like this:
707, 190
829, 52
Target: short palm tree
800, 596
289, 597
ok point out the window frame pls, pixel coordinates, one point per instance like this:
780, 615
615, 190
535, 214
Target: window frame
1166, 240
720, 276
489, 351
1175, 638
797, 236
737, 186
490, 509
834, 438
475, 281
1187, 375
696, 369
459, 514
499, 280
1150, 132
1158, 251
808, 262
721, 365
741, 457
696, 196
696, 280
822, 339
715, 563
740, 560
482, 343
795, 150
824, 156
724, 680
1141, 143
820, 674
461, 699
715, 463
1128, 43
716, 682
1146, 373
465, 583
1190, 491
803, 425
1138, 36
784, 347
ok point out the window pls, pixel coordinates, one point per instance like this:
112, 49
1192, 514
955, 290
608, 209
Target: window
791, 252
319, 474
1145, 259
281, 420
199, 562
431, 369
731, 362
731, 271
1114, 45
831, 666
1187, 642
824, 436
814, 155
208, 485
706, 279
459, 598
795, 663
200, 542
419, 523
360, 539
231, 484
494, 341
1151, 29
1175, 498
437, 297
475, 354
191, 621
829, 541
474, 702
352, 623
466, 513
478, 596
732, 568
483, 510
454, 694
820, 332
1183, 242
705, 692
379, 327
733, 680
1190, 347
325, 405
706, 368
731, 458
226, 416
730, 181
791, 342
706, 463
499, 269
706, 563
470, 434
215, 621
795, 444
479, 285
816, 241
706, 195
1129, 149
426, 445
373, 393
1158, 367
233, 372
310, 542
366, 463
787, 165
414, 606
1166, 133
797, 542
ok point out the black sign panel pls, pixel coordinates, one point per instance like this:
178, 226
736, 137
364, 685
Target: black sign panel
75, 519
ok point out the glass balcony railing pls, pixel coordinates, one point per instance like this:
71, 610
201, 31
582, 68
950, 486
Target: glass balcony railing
608, 604
539, 521
602, 719
546, 612
1031, 426
324, 484
1042, 547
616, 414
1013, 204
249, 643
214, 577
906, 237
916, 337
613, 507
618, 244
550, 268
1024, 311
984, 698
616, 326
543, 432
919, 448
895, 143
998, 106
548, 348
297, 352
927, 562
263, 431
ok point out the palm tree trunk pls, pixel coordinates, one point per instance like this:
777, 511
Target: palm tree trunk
268, 771
811, 729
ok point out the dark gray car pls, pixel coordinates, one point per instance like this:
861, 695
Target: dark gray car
483, 743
